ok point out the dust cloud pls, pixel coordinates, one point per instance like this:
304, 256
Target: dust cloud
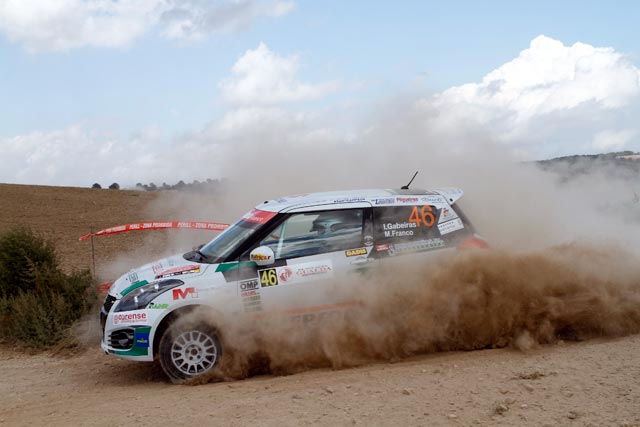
513, 203
473, 300
563, 263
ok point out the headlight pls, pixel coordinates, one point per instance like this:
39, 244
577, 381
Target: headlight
139, 298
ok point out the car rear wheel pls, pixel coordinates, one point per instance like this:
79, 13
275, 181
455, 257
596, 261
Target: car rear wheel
187, 351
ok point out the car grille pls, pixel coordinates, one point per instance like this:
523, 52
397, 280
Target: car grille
108, 303
122, 339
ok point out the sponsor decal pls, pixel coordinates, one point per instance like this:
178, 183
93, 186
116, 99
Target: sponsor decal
251, 300
407, 199
382, 247
311, 318
183, 293
285, 274
133, 277
260, 257
356, 252
312, 271
157, 268
129, 318
251, 304
368, 240
293, 273
177, 271
349, 200
418, 245
432, 200
141, 339
387, 201
450, 226
258, 216
248, 285
158, 306
447, 214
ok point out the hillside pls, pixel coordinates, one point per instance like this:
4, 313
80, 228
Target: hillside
621, 165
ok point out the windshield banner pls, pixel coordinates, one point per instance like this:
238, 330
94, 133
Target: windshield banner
212, 226
258, 216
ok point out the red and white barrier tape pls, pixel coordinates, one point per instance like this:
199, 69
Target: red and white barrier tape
212, 226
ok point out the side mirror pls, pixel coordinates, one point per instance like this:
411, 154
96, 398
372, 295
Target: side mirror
262, 255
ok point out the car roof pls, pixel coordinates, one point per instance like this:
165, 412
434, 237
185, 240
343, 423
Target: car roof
351, 198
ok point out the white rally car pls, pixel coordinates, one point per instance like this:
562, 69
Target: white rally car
278, 257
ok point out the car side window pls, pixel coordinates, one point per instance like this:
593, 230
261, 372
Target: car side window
406, 228
313, 233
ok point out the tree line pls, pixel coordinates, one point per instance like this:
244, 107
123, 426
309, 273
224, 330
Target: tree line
208, 186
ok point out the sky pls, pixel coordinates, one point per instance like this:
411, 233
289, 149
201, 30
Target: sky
132, 90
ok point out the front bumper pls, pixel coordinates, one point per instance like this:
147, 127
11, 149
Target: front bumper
132, 342
126, 334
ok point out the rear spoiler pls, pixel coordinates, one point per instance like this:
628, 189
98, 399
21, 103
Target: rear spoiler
451, 194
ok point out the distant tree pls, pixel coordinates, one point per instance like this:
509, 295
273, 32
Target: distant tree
96, 185
139, 186
166, 186
114, 186
152, 187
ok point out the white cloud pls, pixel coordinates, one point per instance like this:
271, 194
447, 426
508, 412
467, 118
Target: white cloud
611, 140
61, 25
261, 77
549, 94
549, 76
600, 113
194, 19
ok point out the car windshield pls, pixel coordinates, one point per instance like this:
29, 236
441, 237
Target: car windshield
219, 248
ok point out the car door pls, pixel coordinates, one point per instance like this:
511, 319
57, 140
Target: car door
317, 252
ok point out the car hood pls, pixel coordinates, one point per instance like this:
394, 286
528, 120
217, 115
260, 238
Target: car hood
172, 267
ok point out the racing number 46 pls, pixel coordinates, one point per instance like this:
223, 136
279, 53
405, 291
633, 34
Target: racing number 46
268, 277
424, 216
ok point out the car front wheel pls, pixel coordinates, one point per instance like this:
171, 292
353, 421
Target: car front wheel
187, 351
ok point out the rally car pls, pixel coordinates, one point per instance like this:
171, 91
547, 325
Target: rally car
280, 256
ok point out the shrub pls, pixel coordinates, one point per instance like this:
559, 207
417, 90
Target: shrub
22, 253
96, 185
38, 301
114, 186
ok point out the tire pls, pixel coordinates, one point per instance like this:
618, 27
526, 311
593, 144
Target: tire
188, 350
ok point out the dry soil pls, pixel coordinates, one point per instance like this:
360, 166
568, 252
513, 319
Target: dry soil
589, 383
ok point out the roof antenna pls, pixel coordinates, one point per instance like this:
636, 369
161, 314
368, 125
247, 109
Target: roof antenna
406, 187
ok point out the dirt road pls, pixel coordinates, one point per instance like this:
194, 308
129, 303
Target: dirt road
592, 383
